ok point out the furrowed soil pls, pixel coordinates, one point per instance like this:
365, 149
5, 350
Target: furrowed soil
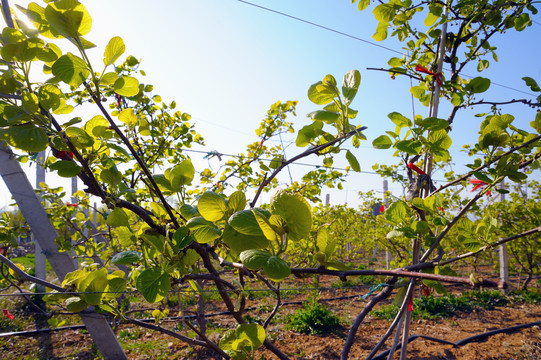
344, 302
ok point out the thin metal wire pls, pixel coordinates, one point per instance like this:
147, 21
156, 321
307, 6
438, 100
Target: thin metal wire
202, 290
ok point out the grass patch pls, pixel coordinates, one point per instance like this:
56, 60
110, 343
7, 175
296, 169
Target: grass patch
313, 318
432, 307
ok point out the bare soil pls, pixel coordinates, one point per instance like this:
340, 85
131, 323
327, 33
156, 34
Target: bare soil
143, 344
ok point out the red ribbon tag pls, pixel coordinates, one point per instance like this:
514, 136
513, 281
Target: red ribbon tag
410, 304
6, 312
437, 76
382, 208
416, 169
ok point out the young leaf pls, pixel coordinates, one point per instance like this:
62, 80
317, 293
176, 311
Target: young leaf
94, 284
126, 86
114, 49
350, 84
382, 142
212, 206
352, 160
127, 257
153, 284
65, 168
118, 217
70, 69
25, 137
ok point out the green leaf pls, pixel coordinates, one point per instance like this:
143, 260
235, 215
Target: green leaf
68, 18
128, 117
116, 285
482, 65
30, 103
363, 4
49, 96
522, 21
536, 123
412, 147
70, 69
237, 201
188, 211
478, 85
111, 176
350, 84
352, 160
308, 133
396, 213
127, 257
531, 83
25, 137
202, 230
95, 284
182, 174
328, 117
382, 142
320, 96
126, 86
212, 206
295, 210
154, 284
381, 31
264, 224
245, 338
240, 242
181, 238
434, 13
482, 177
98, 127
65, 168
255, 333
324, 243
384, 13
79, 137
118, 217
276, 269
114, 49
75, 304
400, 120
433, 124
254, 259
245, 223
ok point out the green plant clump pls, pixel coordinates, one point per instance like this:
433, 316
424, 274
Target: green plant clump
313, 318
431, 307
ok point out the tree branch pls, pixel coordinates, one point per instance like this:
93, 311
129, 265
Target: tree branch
312, 150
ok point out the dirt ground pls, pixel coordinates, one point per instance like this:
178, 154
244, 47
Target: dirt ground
144, 344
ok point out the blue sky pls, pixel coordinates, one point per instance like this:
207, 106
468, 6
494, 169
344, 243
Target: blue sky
225, 62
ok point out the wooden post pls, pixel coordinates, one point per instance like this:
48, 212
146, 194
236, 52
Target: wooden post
388, 256
45, 234
39, 255
504, 259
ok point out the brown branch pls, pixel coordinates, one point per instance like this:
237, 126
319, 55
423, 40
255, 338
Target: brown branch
398, 273
311, 151
384, 294
29, 277
187, 340
490, 246
126, 141
510, 151
418, 78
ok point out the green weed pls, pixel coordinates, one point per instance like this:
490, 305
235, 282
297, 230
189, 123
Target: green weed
313, 318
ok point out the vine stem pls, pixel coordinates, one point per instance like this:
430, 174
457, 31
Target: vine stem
139, 161
384, 294
310, 151
510, 151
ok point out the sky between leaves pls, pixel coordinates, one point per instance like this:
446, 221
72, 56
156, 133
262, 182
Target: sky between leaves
225, 62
